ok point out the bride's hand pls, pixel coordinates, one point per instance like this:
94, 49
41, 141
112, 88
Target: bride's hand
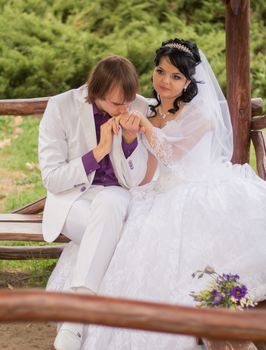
130, 123
145, 125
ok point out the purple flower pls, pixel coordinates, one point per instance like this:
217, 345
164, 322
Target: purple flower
217, 297
230, 278
225, 291
235, 277
239, 292
226, 276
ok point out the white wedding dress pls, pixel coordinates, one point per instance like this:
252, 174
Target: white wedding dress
201, 210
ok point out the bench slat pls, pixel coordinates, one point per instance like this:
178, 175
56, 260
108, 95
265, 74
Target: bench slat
19, 231
8, 217
24, 231
261, 345
35, 207
230, 345
31, 252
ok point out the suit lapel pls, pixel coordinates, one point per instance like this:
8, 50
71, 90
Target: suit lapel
88, 124
86, 117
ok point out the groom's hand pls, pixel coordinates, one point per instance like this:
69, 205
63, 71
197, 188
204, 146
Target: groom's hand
130, 124
107, 130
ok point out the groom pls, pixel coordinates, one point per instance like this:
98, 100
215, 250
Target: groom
90, 155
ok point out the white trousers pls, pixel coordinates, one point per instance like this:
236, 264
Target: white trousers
95, 222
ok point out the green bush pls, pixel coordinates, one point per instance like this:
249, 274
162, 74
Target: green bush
48, 47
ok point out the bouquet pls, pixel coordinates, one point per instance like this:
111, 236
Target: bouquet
224, 291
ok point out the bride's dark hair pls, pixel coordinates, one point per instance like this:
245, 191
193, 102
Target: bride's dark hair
184, 55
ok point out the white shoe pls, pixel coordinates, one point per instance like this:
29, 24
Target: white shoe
67, 340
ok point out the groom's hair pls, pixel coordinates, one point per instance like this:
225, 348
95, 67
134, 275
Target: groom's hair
111, 72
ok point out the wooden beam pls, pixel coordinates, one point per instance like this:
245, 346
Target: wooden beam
259, 142
37, 105
37, 305
258, 123
238, 75
256, 106
35, 207
28, 106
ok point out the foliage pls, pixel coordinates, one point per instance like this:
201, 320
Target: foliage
48, 47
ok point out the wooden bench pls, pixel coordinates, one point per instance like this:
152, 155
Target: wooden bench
24, 224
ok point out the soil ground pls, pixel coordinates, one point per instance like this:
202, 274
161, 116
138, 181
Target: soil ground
26, 335
19, 336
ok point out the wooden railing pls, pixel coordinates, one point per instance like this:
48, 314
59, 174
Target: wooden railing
37, 305
258, 122
27, 106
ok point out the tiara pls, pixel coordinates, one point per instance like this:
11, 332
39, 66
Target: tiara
179, 47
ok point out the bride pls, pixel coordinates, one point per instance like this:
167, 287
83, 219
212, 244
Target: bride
200, 210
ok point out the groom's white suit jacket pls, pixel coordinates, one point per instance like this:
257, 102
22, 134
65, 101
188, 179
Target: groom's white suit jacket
66, 133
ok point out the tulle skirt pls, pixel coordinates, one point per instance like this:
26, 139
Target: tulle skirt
168, 236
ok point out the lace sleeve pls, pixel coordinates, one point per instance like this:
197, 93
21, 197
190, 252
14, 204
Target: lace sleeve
161, 147
186, 134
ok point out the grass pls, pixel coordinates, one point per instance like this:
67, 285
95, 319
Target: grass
20, 183
252, 160
28, 273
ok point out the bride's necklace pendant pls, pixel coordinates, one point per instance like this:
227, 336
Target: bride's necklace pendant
163, 115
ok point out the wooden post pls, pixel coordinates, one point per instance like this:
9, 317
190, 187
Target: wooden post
238, 75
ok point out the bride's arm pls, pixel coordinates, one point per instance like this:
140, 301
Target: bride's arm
147, 128
151, 168
169, 149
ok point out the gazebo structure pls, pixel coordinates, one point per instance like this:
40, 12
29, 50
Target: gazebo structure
243, 327
238, 75
238, 86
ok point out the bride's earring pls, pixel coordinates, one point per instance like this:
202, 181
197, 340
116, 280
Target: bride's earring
186, 86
